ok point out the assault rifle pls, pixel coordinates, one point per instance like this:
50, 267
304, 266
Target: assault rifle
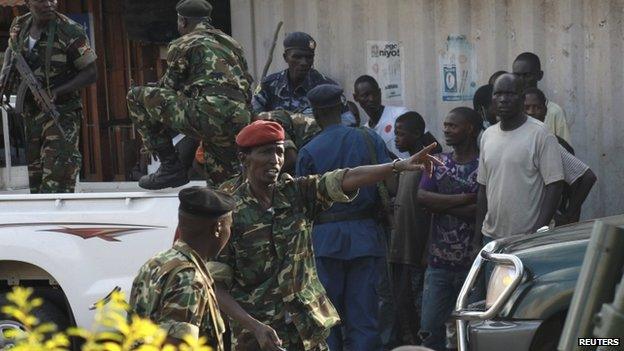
29, 81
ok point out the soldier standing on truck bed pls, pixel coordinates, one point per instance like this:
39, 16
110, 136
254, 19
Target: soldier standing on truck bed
204, 94
58, 56
174, 288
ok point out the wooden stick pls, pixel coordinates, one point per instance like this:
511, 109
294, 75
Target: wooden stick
270, 58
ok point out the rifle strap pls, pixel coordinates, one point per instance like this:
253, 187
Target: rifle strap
48, 56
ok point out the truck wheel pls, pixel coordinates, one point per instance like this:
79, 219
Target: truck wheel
548, 334
47, 312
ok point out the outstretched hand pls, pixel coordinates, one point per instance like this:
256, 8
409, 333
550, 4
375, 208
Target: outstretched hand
421, 160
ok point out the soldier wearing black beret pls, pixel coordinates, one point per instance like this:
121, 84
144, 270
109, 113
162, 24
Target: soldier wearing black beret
194, 8
174, 288
287, 90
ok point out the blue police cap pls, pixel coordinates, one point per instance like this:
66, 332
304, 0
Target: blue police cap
325, 95
299, 40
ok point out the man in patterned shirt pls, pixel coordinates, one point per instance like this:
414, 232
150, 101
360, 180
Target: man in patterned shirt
174, 288
57, 51
450, 193
204, 94
268, 283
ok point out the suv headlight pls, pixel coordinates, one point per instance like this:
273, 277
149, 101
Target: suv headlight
502, 276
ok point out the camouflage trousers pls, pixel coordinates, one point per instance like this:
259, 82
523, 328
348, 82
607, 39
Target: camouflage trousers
214, 120
53, 161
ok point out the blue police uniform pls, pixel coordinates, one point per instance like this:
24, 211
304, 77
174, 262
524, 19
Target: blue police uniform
276, 93
347, 241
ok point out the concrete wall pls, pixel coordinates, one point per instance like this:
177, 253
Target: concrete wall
580, 43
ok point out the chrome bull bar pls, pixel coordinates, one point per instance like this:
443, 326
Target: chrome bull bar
461, 313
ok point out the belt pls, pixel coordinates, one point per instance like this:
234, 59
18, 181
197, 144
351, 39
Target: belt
230, 93
344, 216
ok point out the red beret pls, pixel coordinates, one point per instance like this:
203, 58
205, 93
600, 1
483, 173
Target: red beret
259, 133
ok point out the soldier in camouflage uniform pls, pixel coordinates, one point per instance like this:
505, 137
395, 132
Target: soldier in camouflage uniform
174, 288
267, 281
57, 51
286, 90
204, 94
298, 130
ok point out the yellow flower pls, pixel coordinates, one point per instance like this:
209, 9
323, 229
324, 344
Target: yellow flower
112, 331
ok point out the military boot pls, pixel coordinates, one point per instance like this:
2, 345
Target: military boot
171, 172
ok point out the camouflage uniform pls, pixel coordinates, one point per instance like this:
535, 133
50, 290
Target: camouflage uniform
269, 264
53, 161
204, 94
175, 290
299, 128
275, 93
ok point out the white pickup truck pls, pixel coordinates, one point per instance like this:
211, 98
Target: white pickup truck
74, 249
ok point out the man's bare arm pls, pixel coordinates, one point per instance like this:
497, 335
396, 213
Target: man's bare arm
84, 78
580, 190
552, 197
441, 202
482, 208
465, 212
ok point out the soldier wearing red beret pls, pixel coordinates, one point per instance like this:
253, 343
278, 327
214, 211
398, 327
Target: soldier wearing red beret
266, 277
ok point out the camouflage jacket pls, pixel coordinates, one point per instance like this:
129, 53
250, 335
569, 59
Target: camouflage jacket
205, 58
269, 263
70, 53
175, 290
299, 128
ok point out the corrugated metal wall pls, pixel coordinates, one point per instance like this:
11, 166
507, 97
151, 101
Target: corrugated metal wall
580, 43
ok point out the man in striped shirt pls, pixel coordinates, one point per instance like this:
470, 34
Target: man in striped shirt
578, 177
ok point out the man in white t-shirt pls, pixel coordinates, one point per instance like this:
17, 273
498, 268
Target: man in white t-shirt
382, 118
528, 67
520, 171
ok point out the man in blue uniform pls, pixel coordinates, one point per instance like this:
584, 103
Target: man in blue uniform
347, 240
286, 90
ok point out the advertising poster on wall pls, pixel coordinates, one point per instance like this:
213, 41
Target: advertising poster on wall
458, 70
383, 62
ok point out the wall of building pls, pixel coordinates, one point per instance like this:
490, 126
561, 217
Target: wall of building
580, 43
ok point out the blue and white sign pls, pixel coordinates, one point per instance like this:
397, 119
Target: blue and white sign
458, 70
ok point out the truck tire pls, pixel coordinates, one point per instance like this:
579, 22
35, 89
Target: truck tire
548, 334
47, 312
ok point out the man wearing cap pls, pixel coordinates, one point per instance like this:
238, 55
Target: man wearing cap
174, 288
204, 94
286, 90
299, 129
347, 239
267, 281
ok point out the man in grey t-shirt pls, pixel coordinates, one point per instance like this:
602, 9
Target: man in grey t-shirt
520, 171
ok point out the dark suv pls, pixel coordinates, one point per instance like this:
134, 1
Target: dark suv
529, 292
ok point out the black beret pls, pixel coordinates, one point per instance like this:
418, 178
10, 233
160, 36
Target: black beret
203, 201
194, 8
299, 40
325, 95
